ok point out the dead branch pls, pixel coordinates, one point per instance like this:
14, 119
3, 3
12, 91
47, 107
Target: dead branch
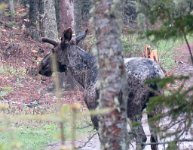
167, 142
89, 139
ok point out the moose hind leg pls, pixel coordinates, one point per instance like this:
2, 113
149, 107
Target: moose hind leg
152, 128
138, 132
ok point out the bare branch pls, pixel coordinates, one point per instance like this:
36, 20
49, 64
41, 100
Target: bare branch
89, 139
167, 142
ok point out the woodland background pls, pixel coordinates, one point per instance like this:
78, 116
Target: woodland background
27, 101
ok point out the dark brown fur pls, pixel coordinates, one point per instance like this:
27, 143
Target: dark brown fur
83, 67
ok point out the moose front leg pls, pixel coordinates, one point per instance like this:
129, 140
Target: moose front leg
138, 132
90, 99
153, 128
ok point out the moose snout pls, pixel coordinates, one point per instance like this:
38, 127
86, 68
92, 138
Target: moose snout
46, 73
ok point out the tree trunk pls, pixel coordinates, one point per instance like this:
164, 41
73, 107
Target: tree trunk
129, 12
81, 17
34, 19
112, 126
57, 10
66, 15
65, 19
41, 18
11, 8
50, 24
81, 14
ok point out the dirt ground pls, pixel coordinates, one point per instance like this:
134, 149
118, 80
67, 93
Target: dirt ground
184, 65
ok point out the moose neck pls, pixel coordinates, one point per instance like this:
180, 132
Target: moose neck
82, 65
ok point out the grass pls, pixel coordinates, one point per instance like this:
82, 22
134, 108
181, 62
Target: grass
9, 70
18, 133
166, 52
35, 138
28, 138
36, 135
133, 46
5, 91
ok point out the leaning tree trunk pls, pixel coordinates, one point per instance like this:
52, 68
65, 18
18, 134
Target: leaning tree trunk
112, 126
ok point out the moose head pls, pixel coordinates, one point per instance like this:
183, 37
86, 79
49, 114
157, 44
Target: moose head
45, 67
69, 56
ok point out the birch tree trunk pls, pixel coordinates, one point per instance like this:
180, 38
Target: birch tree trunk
112, 74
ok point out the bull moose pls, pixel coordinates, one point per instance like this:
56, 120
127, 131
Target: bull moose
83, 67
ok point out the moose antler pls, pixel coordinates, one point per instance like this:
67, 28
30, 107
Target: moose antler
81, 36
47, 40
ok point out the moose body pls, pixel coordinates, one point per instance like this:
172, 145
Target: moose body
83, 67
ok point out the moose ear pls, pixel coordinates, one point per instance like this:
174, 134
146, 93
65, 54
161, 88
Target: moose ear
67, 34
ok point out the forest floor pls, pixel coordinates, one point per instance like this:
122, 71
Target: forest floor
21, 86
184, 65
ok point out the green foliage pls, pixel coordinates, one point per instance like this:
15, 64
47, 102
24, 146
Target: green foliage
32, 132
174, 17
3, 6
166, 52
34, 135
132, 45
172, 146
24, 2
9, 70
176, 29
177, 106
29, 137
5, 91
172, 20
